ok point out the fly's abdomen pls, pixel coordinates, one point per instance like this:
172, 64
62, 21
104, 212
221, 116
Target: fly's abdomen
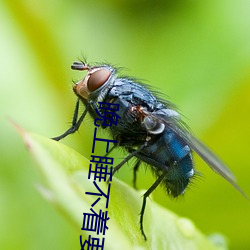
172, 156
180, 165
178, 176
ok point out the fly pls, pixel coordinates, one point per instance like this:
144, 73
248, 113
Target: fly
150, 129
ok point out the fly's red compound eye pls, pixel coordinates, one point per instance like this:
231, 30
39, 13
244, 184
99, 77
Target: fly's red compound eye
97, 79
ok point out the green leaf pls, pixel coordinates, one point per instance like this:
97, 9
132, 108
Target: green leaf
65, 174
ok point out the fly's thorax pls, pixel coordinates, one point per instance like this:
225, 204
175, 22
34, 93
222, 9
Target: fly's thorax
154, 122
152, 125
95, 84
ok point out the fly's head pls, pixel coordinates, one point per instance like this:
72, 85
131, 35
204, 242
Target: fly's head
96, 79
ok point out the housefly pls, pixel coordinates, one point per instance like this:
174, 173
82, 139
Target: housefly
150, 129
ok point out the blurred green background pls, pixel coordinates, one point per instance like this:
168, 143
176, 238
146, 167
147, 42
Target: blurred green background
195, 52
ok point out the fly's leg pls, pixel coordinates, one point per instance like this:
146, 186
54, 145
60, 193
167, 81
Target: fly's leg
127, 158
136, 167
145, 196
114, 146
75, 123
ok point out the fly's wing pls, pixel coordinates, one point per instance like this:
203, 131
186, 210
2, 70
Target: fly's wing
175, 124
212, 160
